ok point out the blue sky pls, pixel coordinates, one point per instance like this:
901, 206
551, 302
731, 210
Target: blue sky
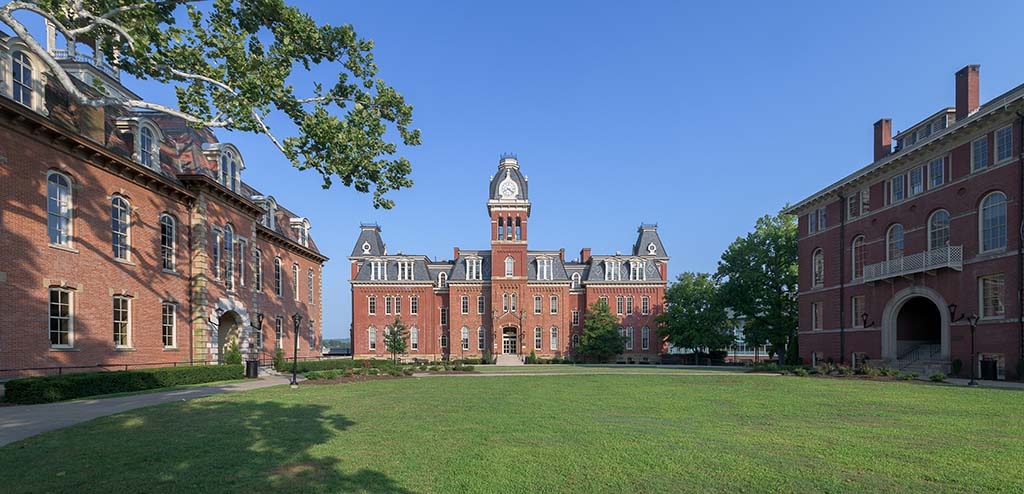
700, 118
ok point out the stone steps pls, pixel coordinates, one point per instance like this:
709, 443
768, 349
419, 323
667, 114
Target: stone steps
508, 360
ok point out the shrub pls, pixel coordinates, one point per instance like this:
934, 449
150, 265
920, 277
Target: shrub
324, 375
467, 368
279, 360
434, 368
908, 376
233, 356
47, 389
532, 358
888, 371
800, 371
407, 371
937, 377
956, 366
315, 365
844, 370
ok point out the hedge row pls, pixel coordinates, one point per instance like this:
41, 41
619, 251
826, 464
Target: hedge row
318, 365
47, 389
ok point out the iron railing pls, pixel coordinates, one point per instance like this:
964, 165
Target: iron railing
99, 64
944, 257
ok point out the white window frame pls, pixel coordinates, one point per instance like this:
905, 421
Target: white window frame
464, 305
295, 281
575, 317
983, 211
936, 172
474, 270
405, 270
890, 241
378, 270
619, 305
228, 255
127, 322
60, 221
310, 283
442, 281
553, 339
932, 230
371, 338
553, 302
538, 338
387, 305
258, 281
1000, 310
817, 313
414, 338
279, 331
1004, 133
544, 268
278, 277
629, 306
537, 305
371, 305
481, 304
115, 233
171, 324
414, 305
645, 338
858, 306
645, 305
629, 338
916, 182
818, 268
21, 59
68, 320
465, 338
857, 246
443, 319
980, 162
575, 283
481, 338
612, 270
510, 267
897, 193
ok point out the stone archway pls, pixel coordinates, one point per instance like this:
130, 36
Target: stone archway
917, 300
228, 331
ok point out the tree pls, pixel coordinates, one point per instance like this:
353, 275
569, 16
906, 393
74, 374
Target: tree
601, 340
759, 281
395, 339
694, 316
233, 64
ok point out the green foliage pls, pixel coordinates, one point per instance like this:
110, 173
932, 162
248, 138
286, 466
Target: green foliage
47, 389
759, 281
938, 377
336, 343
324, 375
800, 371
888, 371
956, 366
233, 356
908, 376
316, 365
695, 316
279, 362
395, 339
531, 358
233, 63
600, 340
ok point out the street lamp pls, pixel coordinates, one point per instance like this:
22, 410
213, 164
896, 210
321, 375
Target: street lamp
972, 320
252, 368
296, 319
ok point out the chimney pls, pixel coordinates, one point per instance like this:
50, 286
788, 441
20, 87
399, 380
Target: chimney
456, 255
585, 254
967, 83
561, 254
883, 138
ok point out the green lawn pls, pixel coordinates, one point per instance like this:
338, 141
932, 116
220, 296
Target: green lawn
546, 434
593, 369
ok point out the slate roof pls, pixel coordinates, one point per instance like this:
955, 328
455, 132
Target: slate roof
597, 269
420, 272
369, 234
647, 235
458, 272
513, 173
557, 268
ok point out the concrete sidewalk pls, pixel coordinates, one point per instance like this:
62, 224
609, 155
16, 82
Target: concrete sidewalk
19, 422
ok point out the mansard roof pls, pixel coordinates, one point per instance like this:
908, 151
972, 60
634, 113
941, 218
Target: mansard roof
558, 272
598, 266
458, 271
369, 242
420, 272
648, 243
508, 170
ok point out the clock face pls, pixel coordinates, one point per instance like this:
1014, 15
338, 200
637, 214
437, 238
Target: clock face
508, 189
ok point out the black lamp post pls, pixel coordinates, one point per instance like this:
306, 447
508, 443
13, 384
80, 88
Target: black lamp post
296, 319
973, 321
252, 368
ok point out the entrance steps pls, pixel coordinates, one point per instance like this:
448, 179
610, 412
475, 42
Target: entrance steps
504, 359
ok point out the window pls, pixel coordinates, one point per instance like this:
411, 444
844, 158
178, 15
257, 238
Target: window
629, 306
992, 295
21, 68
575, 284
812, 221
414, 338
240, 249
61, 319
465, 304
473, 268
120, 227
629, 338
894, 242
465, 338
612, 270
371, 337
58, 208
575, 317
229, 257
857, 309
229, 170
279, 331
480, 338
147, 150
554, 304
387, 304
378, 270
537, 304
936, 172
636, 271
553, 341
979, 154
510, 265
504, 302
398, 304
405, 270
501, 228
857, 253
938, 230
821, 219
1004, 144
645, 338
414, 305
916, 181
993, 222
481, 304
537, 338
371, 305
168, 325
645, 305
865, 200
575, 340
122, 322
853, 206
816, 315
897, 189
512, 304
309, 282
818, 268
312, 336
277, 276
442, 280
295, 281
618, 305
444, 316
604, 299
258, 255
544, 269
444, 340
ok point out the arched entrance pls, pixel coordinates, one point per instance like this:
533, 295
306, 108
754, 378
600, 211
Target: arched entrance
509, 341
915, 326
227, 333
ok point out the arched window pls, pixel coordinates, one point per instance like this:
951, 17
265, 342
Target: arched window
295, 281
480, 338
442, 280
519, 229
465, 338
120, 224
229, 257
147, 148
508, 228
938, 230
258, 259
575, 340
58, 208
857, 253
818, 260
575, 281
309, 282
538, 338
21, 67
513, 302
645, 338
277, 276
371, 338
553, 342
894, 242
993, 222
510, 265
504, 302
167, 241
501, 228
414, 338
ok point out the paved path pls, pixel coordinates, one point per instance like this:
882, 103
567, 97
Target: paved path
19, 422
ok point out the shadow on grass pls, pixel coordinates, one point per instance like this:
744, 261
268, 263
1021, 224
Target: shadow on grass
199, 446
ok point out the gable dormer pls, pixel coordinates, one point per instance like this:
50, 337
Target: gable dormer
228, 162
146, 137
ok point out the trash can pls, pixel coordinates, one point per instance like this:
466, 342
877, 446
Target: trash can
989, 369
252, 369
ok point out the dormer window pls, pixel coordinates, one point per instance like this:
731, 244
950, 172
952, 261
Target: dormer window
575, 281
21, 78
473, 268
544, 268
301, 228
637, 271
229, 170
378, 270
612, 270
405, 270
146, 144
269, 217
442, 280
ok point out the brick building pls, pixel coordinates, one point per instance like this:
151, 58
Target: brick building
132, 238
506, 300
893, 255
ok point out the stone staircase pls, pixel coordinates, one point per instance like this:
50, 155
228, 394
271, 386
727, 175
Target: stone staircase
923, 360
503, 359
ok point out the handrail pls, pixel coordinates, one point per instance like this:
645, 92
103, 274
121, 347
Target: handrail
950, 256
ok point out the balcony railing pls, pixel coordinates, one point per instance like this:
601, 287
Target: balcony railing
76, 57
944, 257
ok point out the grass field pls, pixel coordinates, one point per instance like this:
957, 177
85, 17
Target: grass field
578, 433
